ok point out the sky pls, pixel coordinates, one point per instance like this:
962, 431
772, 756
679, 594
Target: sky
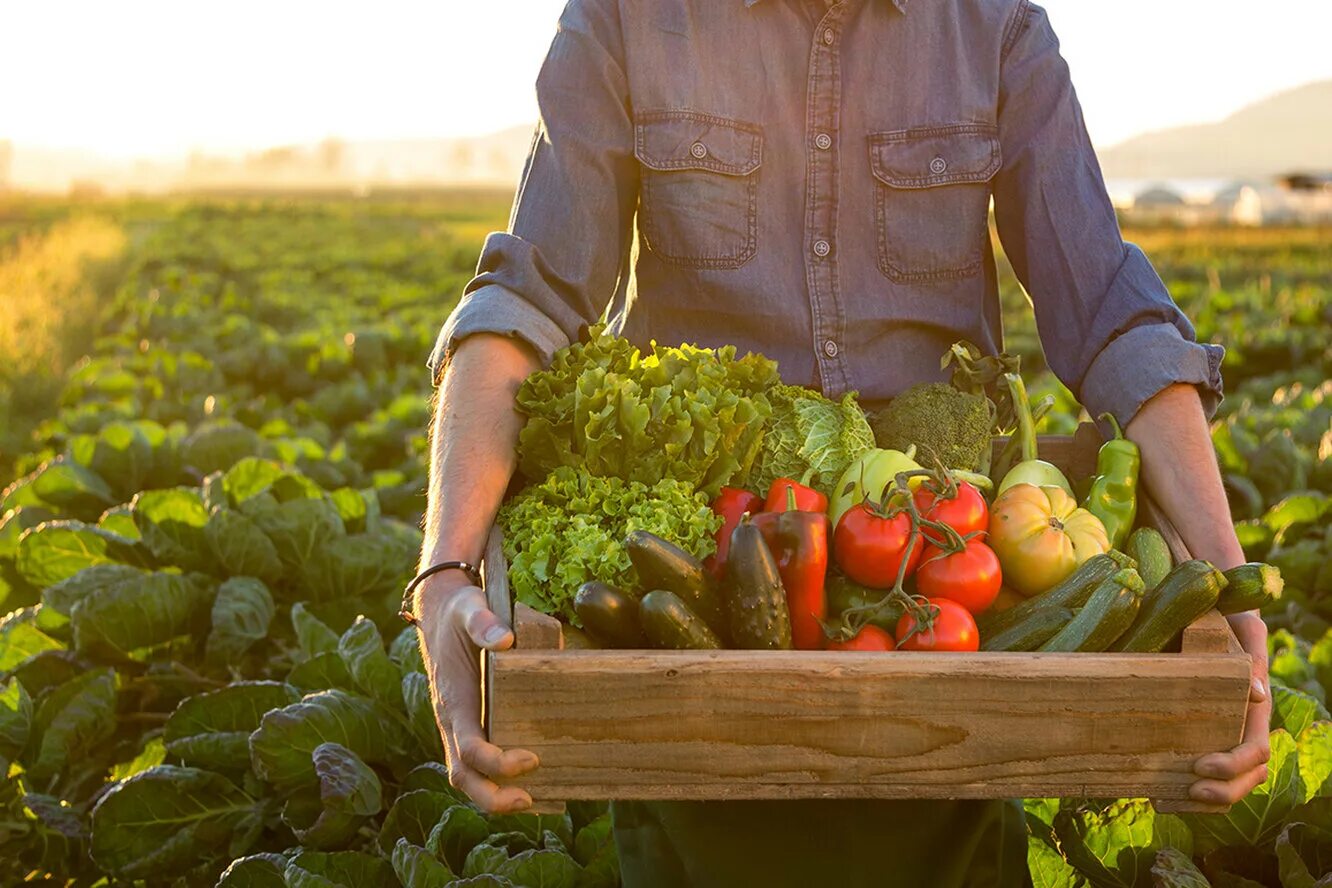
148, 78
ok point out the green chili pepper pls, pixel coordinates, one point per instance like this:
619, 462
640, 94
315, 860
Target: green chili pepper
1114, 493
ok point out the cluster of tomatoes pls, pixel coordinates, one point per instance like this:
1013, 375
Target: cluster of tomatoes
937, 542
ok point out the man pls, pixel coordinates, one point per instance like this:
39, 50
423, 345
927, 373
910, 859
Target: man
809, 180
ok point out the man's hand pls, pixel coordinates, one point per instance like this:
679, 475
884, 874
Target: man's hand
1229, 776
456, 625
1179, 470
472, 455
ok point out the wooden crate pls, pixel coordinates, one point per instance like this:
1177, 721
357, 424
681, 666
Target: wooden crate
616, 724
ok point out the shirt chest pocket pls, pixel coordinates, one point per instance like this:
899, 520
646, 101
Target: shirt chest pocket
699, 195
932, 199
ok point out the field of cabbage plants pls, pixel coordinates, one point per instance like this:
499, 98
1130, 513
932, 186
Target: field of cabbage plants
205, 534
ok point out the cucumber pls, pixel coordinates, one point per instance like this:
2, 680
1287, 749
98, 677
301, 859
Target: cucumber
1031, 633
1149, 549
1108, 612
1249, 587
1188, 592
664, 565
1072, 592
609, 615
759, 616
669, 623
576, 639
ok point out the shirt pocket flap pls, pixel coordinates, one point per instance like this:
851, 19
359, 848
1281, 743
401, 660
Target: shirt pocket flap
924, 158
685, 140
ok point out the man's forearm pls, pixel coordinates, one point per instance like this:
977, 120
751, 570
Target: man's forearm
473, 435
1179, 468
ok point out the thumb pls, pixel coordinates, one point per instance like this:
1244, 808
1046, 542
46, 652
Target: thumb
485, 628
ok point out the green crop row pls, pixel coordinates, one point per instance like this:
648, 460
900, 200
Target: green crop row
202, 679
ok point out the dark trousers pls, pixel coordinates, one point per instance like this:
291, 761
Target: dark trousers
847, 843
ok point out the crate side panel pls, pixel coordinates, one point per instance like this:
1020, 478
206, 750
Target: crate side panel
653, 725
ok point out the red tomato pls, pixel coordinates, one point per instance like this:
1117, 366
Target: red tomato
870, 548
971, 577
966, 512
869, 638
954, 629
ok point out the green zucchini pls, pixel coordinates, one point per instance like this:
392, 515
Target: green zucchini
664, 565
1108, 612
1031, 633
1188, 592
1072, 592
1249, 587
760, 619
1149, 549
609, 615
669, 623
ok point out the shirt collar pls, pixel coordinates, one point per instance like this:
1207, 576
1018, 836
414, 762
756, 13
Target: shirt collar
900, 4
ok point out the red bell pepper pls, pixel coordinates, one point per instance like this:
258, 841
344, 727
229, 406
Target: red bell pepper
798, 540
807, 499
731, 504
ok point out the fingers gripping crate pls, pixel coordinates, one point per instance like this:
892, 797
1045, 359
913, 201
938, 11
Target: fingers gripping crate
623, 724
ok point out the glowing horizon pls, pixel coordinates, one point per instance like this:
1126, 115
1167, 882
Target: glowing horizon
148, 79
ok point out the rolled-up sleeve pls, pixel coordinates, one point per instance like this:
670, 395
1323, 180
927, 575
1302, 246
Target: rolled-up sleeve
564, 252
1110, 330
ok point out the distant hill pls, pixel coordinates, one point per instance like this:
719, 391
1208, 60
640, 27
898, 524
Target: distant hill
1289, 131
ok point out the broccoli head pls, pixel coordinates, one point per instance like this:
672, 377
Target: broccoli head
943, 423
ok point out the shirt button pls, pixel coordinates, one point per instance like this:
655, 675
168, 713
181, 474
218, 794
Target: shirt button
699, 150
828, 36
823, 141
830, 348
822, 248
938, 165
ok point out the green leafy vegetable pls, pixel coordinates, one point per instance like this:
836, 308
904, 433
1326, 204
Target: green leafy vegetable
570, 529
132, 617
240, 547
262, 870
212, 730
1304, 856
1175, 869
15, 718
166, 819
691, 414
337, 869
172, 525
1256, 819
808, 433
72, 721
282, 748
1117, 844
242, 612
57, 550
459, 830
416, 868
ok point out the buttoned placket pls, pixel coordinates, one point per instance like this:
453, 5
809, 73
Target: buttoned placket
822, 128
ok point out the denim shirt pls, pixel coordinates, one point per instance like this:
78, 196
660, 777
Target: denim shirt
813, 182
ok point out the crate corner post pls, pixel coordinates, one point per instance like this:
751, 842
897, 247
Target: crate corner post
532, 631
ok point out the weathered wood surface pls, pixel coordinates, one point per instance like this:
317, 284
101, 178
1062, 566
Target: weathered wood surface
495, 576
535, 631
1210, 634
753, 724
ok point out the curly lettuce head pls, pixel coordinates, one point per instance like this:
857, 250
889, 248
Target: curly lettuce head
809, 433
570, 529
688, 413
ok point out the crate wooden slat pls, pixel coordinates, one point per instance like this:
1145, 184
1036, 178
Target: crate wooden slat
812, 724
